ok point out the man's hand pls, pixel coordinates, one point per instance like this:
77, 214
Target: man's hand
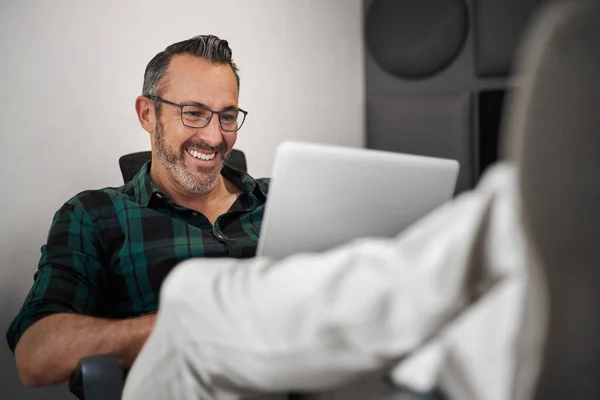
49, 351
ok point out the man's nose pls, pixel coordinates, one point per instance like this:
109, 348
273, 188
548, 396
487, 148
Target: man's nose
211, 133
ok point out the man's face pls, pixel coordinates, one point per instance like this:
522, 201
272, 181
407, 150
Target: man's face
194, 157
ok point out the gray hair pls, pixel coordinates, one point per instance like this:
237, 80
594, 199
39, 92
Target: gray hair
208, 47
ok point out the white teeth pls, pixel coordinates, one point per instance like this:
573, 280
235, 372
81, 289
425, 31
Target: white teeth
202, 156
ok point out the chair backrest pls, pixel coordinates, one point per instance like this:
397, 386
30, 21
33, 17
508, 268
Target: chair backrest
555, 129
130, 164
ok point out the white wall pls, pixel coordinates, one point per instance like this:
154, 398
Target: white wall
69, 74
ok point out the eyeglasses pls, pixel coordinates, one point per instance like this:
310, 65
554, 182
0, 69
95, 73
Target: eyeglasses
198, 116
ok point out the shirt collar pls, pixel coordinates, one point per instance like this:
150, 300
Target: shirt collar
145, 190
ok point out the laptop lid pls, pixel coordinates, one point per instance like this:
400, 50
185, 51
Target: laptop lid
322, 196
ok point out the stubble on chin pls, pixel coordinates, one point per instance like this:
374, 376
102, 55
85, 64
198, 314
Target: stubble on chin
202, 180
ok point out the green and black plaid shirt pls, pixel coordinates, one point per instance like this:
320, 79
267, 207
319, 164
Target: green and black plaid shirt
109, 250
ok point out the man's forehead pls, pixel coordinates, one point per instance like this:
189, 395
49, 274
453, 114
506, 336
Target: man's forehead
191, 76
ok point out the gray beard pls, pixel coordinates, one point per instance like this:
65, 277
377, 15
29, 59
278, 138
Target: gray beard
174, 163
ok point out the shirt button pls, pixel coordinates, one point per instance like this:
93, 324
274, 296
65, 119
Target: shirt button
159, 195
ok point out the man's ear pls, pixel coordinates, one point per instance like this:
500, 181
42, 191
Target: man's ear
146, 113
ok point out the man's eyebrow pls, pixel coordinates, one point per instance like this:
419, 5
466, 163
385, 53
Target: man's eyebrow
230, 108
195, 103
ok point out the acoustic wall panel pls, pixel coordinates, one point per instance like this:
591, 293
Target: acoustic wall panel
415, 39
499, 26
432, 125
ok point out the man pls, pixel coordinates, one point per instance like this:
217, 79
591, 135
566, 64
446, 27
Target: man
108, 251
494, 296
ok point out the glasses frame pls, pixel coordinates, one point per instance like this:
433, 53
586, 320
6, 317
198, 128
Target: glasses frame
212, 112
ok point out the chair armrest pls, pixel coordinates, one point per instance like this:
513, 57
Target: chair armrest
98, 377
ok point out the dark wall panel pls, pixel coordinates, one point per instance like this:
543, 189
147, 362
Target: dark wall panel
499, 25
489, 113
437, 126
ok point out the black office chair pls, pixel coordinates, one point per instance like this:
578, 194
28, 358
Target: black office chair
130, 164
99, 377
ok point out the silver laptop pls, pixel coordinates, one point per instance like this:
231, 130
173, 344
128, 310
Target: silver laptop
322, 196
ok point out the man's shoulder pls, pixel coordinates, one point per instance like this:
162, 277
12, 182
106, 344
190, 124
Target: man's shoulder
263, 184
94, 201
244, 180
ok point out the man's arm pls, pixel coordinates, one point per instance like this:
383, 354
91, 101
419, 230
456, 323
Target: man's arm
52, 330
49, 351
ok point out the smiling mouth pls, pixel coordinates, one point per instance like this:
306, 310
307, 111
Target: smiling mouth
201, 156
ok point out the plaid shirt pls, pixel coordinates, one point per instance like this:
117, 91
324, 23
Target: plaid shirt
109, 250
